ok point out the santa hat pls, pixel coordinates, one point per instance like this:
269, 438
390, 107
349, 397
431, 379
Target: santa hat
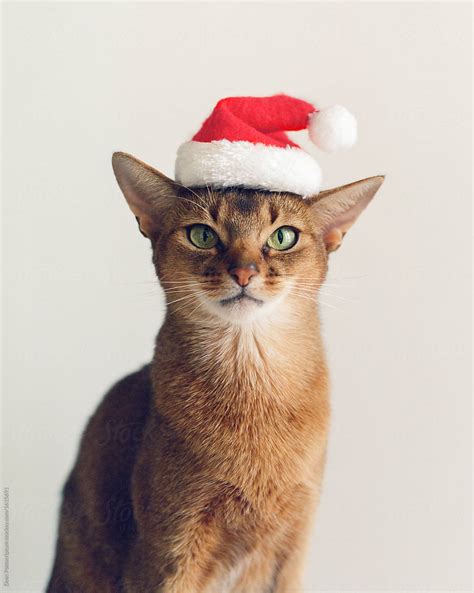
244, 143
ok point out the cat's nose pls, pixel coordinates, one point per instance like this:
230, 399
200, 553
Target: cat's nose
243, 274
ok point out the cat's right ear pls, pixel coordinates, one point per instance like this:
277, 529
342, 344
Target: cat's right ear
148, 192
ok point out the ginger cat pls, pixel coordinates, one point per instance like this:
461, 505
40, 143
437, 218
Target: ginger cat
200, 472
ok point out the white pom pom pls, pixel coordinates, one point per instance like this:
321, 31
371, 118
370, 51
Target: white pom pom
333, 128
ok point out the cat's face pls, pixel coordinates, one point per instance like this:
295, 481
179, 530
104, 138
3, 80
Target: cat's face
238, 255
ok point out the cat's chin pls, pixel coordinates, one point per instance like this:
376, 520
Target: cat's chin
241, 310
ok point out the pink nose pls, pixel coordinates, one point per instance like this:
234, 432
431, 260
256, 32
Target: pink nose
242, 275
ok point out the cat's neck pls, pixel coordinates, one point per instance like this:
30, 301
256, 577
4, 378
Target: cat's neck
279, 350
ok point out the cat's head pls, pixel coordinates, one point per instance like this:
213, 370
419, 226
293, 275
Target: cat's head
238, 254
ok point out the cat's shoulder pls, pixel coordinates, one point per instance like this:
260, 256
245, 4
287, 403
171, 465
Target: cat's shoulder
136, 385
125, 404
109, 444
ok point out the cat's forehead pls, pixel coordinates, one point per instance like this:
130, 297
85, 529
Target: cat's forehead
246, 210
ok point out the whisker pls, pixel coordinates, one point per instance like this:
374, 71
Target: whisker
198, 204
337, 296
320, 301
183, 285
188, 296
183, 291
200, 198
303, 296
176, 293
178, 198
315, 299
331, 306
317, 284
176, 289
196, 308
324, 293
311, 281
180, 282
182, 306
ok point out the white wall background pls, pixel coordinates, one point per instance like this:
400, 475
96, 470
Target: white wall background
81, 308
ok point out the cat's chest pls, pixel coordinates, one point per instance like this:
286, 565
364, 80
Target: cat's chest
252, 408
254, 438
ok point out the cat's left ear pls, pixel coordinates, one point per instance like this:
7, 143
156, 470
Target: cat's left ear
336, 210
148, 192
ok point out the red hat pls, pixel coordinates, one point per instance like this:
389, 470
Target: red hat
244, 143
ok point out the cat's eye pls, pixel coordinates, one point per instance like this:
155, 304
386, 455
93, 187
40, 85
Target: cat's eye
202, 236
283, 238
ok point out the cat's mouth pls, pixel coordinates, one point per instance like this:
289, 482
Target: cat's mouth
241, 296
242, 306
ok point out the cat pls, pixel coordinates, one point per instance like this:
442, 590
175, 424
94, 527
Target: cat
201, 472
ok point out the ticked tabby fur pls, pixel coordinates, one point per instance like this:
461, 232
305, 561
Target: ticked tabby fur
200, 473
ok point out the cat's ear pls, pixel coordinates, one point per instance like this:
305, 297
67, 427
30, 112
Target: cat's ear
148, 192
336, 210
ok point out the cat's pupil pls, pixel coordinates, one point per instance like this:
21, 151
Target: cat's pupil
205, 235
280, 236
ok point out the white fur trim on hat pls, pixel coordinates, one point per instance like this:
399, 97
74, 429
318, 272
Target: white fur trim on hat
222, 163
333, 128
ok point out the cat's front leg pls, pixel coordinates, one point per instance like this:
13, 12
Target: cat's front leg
289, 567
267, 572
288, 576
185, 562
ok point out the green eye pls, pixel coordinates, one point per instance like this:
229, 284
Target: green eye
202, 236
283, 238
